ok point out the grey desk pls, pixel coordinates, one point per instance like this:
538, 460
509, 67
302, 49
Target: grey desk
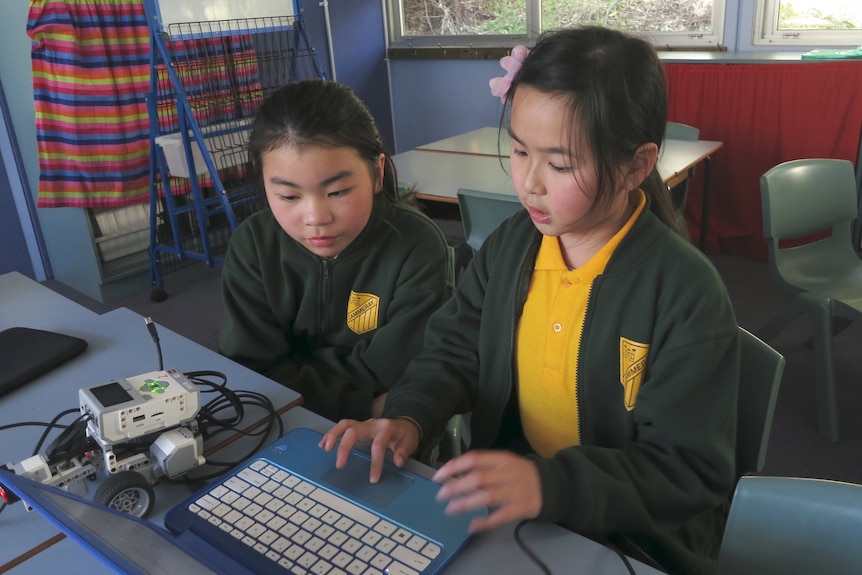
434, 174
563, 551
119, 346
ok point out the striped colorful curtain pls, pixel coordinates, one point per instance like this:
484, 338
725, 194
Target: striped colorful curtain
90, 62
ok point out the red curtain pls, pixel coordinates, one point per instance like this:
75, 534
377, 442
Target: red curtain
765, 114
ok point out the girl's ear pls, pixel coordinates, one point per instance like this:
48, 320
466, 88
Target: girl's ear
642, 164
381, 167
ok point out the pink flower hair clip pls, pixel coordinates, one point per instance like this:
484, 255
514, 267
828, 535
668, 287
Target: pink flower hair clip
512, 64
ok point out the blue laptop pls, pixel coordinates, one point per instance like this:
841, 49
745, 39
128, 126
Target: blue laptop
285, 510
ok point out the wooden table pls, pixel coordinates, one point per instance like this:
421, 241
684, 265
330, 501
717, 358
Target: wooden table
435, 174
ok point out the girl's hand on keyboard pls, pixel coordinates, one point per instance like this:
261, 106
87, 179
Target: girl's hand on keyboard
501, 481
399, 435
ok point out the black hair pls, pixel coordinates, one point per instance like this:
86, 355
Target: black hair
615, 88
321, 113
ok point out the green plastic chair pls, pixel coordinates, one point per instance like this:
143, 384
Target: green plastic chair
482, 212
821, 277
792, 526
760, 371
678, 131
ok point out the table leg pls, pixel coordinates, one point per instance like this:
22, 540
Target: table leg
704, 214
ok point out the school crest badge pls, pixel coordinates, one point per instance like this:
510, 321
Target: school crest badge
362, 312
633, 359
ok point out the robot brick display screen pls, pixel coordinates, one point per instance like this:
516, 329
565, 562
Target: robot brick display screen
110, 394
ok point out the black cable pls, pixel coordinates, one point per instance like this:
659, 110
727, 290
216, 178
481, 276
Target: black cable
529, 552
151, 327
51, 426
31, 424
624, 558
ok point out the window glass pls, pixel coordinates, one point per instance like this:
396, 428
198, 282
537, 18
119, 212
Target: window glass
467, 22
809, 22
464, 18
636, 15
820, 15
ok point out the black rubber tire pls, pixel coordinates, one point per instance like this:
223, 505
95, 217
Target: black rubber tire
126, 491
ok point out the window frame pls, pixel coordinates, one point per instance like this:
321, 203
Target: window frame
713, 40
767, 33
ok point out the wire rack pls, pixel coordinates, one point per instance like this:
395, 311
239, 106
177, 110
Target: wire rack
208, 79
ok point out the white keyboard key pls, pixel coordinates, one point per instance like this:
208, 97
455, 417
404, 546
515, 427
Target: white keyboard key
281, 544
253, 477
357, 567
397, 568
328, 551
410, 558
219, 491
342, 559
371, 538
307, 560
431, 551
207, 502
300, 537
381, 560
344, 507
236, 484
304, 487
416, 543
385, 527
351, 545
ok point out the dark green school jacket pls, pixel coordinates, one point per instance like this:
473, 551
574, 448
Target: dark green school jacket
339, 332
654, 479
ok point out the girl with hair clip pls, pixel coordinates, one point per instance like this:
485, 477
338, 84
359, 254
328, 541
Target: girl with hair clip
594, 346
329, 290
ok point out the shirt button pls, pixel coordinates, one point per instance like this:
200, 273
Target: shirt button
558, 327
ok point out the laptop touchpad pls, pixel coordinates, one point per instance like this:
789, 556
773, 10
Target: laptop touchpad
353, 480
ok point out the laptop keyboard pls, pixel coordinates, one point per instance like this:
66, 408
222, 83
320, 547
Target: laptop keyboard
308, 530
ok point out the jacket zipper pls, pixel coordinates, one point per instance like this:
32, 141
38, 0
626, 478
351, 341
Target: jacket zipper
323, 296
578, 370
515, 301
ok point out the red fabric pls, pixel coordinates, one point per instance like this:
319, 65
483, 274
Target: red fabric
765, 114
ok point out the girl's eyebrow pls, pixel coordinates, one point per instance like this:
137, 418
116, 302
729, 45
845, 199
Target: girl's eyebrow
552, 150
330, 180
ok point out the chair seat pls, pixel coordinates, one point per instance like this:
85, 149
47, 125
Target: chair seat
827, 273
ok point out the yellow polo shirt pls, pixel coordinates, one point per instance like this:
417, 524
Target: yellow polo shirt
548, 339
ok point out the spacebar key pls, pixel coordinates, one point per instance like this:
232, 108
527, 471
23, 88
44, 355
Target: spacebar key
344, 507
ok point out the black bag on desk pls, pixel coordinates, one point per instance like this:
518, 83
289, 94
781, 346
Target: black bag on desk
27, 353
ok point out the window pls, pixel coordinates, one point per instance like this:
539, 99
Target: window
464, 23
809, 22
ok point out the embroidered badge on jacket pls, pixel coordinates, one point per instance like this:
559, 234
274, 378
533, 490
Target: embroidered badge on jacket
633, 359
362, 311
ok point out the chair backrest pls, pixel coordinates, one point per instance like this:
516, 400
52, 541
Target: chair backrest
677, 131
482, 212
760, 373
792, 526
802, 197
